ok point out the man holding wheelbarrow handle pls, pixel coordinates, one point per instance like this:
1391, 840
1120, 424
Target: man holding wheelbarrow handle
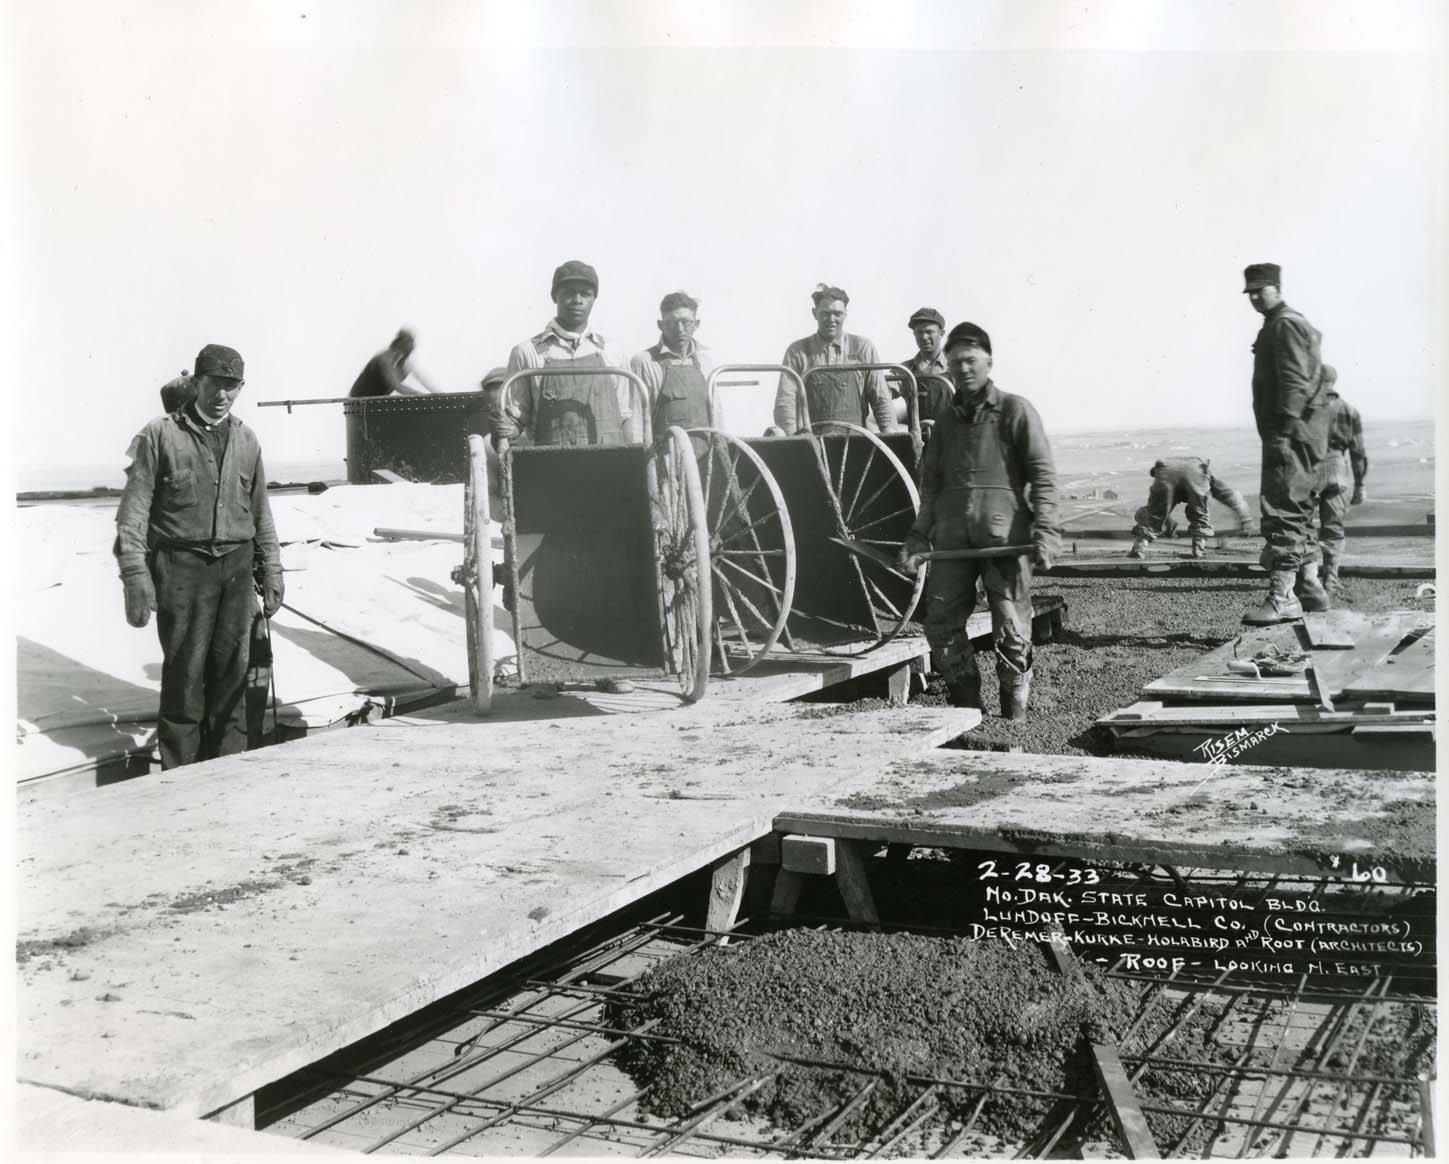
988, 489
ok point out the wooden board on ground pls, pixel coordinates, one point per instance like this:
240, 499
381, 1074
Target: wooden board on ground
1217, 567
1406, 675
1332, 630
186, 939
1248, 818
1208, 677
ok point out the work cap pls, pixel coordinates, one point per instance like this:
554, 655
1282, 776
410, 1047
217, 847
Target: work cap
219, 360
1261, 275
575, 271
494, 377
969, 334
1330, 375
926, 315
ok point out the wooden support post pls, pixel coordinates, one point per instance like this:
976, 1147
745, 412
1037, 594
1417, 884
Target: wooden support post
898, 685
241, 1114
1122, 1106
786, 895
727, 891
854, 886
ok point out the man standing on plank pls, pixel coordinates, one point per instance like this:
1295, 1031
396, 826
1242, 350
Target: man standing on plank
987, 480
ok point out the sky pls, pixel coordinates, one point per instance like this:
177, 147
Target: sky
298, 180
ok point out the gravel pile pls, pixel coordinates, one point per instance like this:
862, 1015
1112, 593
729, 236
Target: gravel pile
899, 1004
1121, 633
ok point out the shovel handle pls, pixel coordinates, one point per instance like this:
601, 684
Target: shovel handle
988, 552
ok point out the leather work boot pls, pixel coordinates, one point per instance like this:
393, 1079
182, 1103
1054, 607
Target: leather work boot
1139, 547
1280, 605
965, 688
1329, 576
1015, 691
1199, 548
1311, 593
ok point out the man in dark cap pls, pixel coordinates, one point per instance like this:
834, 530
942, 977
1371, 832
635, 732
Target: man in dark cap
843, 396
1341, 477
567, 410
987, 479
929, 328
389, 371
1288, 406
677, 368
193, 532
1185, 481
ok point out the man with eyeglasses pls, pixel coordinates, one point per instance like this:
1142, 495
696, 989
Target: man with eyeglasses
850, 396
193, 531
676, 369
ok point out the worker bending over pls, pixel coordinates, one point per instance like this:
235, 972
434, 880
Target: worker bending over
1185, 481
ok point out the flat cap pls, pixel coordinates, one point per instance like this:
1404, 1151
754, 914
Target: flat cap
574, 271
218, 360
1257, 275
971, 335
926, 315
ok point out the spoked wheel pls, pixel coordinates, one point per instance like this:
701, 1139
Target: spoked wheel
681, 560
478, 577
878, 502
751, 550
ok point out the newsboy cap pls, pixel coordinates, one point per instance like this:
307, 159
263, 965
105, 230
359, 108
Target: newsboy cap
218, 360
969, 333
1261, 275
575, 271
926, 315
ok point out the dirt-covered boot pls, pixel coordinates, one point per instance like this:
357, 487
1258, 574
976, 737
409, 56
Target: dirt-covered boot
1328, 575
1280, 605
1139, 547
1199, 547
1311, 594
963, 678
1015, 690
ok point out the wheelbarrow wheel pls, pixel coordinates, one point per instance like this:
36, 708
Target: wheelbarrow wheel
878, 502
478, 577
751, 550
682, 561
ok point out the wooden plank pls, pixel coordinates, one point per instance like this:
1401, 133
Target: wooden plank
1122, 1104
812, 855
1219, 568
1331, 630
1340, 670
727, 891
1159, 811
1406, 675
1316, 687
189, 938
1153, 715
854, 885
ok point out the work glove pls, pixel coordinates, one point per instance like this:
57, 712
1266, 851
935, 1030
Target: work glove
140, 598
1247, 529
909, 560
1041, 558
1358, 495
272, 591
775, 431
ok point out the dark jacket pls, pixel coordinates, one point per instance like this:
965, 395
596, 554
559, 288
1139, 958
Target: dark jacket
1345, 434
177, 494
987, 477
1287, 362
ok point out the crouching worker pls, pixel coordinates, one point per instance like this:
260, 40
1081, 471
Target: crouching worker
987, 480
193, 530
1186, 481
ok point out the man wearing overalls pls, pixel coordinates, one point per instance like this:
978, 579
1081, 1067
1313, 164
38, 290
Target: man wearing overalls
987, 479
677, 369
928, 363
566, 410
1186, 481
1344, 469
839, 396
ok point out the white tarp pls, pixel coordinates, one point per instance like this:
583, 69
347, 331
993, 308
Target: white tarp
363, 617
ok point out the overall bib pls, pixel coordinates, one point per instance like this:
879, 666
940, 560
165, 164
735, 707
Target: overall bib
683, 399
978, 507
577, 410
831, 395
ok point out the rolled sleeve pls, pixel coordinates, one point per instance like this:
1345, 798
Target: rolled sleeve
514, 413
133, 517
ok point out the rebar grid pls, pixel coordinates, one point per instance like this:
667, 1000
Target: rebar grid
527, 1070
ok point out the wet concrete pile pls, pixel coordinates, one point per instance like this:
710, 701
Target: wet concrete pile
899, 1005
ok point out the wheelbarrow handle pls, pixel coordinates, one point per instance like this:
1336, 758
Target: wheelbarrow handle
987, 552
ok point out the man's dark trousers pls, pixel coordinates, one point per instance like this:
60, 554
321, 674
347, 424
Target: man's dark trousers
204, 610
